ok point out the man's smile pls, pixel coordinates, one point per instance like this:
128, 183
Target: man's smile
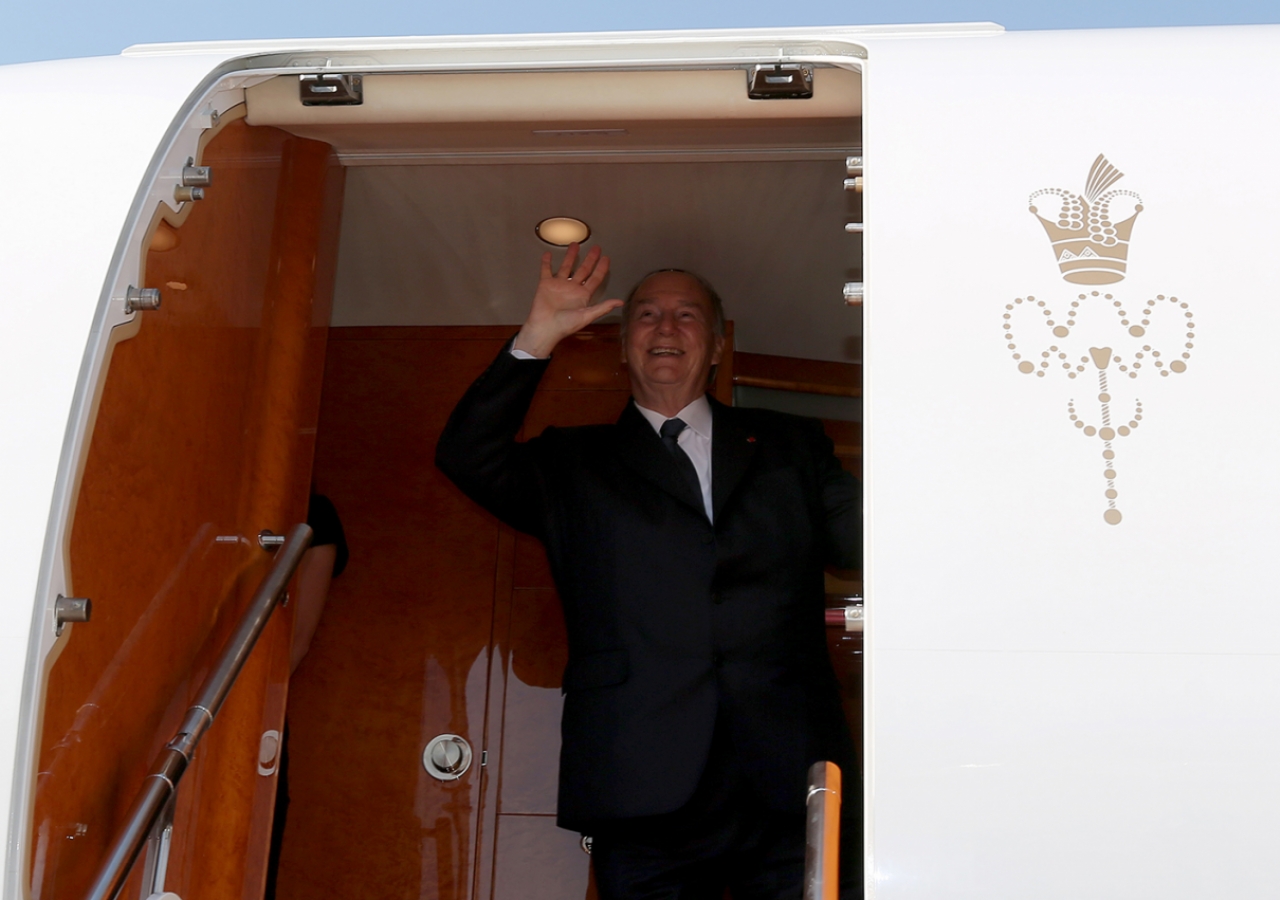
665, 351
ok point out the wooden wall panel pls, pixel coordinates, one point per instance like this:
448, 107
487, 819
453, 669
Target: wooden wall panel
402, 651
189, 445
788, 373
537, 652
538, 861
283, 413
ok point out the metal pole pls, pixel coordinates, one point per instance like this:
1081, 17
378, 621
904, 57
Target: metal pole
822, 833
161, 784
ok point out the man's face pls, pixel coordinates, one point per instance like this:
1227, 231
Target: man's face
671, 343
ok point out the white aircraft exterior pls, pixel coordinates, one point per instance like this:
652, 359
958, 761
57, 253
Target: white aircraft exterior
1072, 489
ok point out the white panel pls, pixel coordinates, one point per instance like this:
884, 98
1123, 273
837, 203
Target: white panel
1071, 775
617, 47
79, 136
986, 504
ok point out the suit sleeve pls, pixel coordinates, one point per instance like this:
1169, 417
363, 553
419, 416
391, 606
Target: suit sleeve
478, 450
841, 495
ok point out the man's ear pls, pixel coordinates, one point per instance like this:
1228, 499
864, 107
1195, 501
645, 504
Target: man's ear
715, 354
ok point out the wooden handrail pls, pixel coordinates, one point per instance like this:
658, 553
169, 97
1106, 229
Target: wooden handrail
789, 373
161, 784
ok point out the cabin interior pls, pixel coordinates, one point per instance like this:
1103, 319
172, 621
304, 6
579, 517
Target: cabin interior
348, 272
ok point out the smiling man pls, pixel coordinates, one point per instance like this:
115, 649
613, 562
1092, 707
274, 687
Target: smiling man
687, 542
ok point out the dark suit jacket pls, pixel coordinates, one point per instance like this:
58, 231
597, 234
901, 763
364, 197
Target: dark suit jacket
672, 622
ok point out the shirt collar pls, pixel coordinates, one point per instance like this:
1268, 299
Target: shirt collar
697, 415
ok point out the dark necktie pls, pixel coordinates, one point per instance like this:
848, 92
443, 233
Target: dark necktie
670, 431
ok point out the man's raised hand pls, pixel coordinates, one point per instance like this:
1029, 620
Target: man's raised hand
562, 305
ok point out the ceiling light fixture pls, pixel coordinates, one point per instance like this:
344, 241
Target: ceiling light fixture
561, 231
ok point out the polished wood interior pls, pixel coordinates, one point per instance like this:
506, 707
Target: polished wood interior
446, 621
203, 437
788, 373
402, 650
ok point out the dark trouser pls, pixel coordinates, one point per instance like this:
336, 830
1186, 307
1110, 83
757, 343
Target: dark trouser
723, 837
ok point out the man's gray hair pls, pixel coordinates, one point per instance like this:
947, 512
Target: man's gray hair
717, 306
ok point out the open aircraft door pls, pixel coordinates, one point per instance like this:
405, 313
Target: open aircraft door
1071, 344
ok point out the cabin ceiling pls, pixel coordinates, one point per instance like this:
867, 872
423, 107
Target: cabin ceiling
455, 244
447, 175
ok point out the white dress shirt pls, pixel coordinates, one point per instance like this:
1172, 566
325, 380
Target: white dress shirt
694, 440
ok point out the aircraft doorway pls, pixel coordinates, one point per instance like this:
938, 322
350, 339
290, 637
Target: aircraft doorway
447, 622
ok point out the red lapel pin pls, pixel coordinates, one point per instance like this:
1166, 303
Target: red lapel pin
751, 440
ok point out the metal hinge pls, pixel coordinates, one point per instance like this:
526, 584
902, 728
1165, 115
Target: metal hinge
138, 299
854, 616
779, 82
269, 540
194, 180
331, 90
850, 617
70, 609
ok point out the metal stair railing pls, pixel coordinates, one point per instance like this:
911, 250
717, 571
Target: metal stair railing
160, 785
822, 833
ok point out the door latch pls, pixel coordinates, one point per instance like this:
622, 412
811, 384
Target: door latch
331, 89
780, 82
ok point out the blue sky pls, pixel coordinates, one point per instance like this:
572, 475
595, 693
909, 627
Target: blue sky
52, 29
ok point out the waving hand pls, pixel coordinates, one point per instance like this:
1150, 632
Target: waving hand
562, 304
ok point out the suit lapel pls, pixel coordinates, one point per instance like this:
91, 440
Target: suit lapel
733, 447
640, 448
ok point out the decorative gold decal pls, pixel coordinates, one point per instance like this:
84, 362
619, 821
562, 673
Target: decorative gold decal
1090, 246
1093, 250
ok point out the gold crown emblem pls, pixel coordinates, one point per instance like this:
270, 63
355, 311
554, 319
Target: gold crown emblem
1090, 246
